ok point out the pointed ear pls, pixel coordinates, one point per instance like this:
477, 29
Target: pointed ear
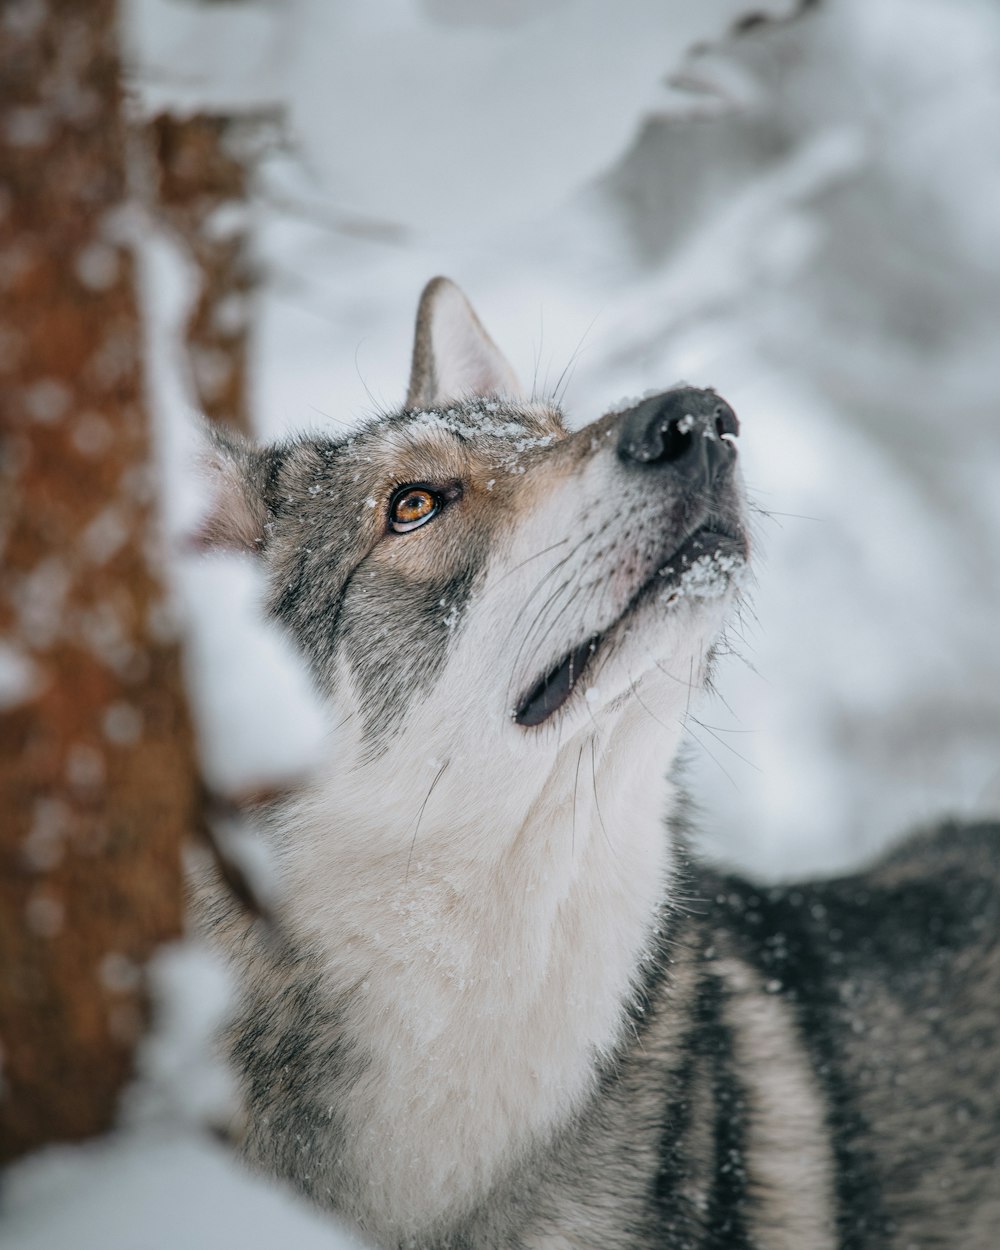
453, 356
239, 478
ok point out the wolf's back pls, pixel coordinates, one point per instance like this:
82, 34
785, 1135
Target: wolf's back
890, 981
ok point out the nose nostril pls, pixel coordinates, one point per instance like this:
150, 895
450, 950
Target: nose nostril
676, 439
726, 422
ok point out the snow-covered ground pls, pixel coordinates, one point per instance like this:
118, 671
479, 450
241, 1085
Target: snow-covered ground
160, 1182
806, 217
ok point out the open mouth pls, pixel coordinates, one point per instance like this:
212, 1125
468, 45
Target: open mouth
702, 566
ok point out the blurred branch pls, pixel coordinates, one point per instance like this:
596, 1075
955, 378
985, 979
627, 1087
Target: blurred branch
328, 217
753, 20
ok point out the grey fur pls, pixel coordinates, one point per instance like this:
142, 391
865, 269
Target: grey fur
811, 1065
894, 1016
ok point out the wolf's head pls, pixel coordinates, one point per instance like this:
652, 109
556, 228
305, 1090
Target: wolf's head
492, 604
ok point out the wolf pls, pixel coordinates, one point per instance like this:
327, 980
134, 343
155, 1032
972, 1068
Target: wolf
501, 1004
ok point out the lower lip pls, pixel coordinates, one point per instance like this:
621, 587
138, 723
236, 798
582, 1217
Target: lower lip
554, 689
549, 695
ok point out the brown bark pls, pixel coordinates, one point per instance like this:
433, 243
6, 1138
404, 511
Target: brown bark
96, 765
202, 171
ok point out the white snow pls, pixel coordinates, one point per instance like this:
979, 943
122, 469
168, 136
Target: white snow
44, 914
259, 722
105, 534
708, 577
97, 265
92, 434
181, 1081
476, 110
257, 719
122, 723
47, 400
159, 1182
20, 677
143, 1191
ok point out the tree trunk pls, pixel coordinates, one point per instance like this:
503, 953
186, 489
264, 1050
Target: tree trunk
203, 195
96, 761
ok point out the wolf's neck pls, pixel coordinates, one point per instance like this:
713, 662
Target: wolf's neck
462, 1008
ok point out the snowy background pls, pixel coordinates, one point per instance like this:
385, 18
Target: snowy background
805, 215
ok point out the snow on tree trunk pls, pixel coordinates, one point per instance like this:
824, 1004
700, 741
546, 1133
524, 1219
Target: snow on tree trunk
96, 760
202, 193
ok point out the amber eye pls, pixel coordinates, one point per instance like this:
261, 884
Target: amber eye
412, 506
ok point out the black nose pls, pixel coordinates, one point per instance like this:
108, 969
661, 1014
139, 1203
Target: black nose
691, 430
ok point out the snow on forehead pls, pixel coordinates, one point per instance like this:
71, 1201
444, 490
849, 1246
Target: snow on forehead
522, 427
498, 430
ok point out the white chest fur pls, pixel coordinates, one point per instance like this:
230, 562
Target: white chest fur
484, 986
